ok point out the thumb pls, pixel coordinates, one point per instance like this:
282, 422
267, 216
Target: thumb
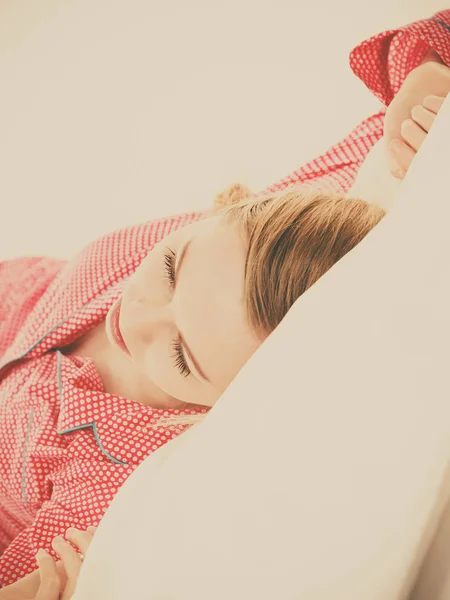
49, 587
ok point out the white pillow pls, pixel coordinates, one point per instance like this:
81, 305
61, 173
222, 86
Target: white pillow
319, 473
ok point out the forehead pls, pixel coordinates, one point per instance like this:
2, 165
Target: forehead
210, 303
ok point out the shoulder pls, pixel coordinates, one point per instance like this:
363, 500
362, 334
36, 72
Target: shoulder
23, 281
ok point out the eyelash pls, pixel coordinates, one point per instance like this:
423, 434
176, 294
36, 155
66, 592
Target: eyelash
169, 266
177, 350
180, 361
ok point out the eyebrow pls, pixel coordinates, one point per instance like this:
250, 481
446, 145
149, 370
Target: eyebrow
183, 342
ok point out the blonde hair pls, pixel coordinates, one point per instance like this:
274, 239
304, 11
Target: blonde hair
293, 239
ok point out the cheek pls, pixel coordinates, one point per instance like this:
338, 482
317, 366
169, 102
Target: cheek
148, 281
157, 365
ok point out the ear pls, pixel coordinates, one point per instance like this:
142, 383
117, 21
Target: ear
231, 195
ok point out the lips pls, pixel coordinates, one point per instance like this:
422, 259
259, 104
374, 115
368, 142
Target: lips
115, 329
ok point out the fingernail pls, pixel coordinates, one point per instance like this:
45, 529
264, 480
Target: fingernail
91, 529
41, 553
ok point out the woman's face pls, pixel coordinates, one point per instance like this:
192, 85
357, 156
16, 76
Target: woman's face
182, 315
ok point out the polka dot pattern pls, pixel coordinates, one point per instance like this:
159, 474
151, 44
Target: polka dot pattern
67, 446
382, 63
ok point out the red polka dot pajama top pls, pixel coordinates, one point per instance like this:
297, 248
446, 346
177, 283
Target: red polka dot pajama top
66, 446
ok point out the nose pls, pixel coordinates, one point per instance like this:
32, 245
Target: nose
148, 320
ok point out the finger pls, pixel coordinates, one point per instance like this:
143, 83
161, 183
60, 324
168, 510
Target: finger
50, 584
433, 103
413, 134
68, 555
91, 529
62, 574
423, 117
79, 538
402, 156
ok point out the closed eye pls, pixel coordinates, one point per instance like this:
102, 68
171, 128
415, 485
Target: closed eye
169, 266
179, 360
177, 349
180, 348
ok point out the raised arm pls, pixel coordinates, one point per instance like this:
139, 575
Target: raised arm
401, 68
382, 62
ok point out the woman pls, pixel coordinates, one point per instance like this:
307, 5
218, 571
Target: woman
78, 340
291, 237
108, 368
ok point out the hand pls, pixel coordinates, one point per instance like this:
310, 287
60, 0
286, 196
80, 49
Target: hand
51, 587
413, 133
429, 79
53, 580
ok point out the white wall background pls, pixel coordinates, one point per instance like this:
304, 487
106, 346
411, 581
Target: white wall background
116, 111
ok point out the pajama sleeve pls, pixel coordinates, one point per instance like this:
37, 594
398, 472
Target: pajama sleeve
383, 61
75, 502
22, 283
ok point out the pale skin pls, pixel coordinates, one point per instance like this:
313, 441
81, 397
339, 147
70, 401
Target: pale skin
205, 305
413, 132
411, 113
190, 286
188, 338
